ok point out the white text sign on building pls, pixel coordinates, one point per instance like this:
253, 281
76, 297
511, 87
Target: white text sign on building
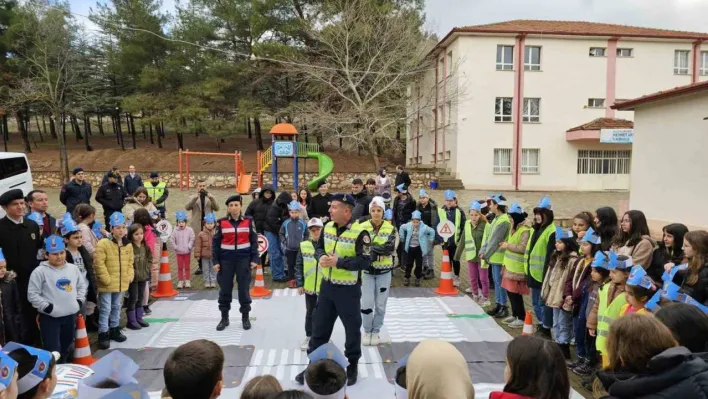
617, 136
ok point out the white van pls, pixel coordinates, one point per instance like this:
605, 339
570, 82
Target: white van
14, 173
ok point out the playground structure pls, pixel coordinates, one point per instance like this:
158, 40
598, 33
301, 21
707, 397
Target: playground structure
242, 180
285, 145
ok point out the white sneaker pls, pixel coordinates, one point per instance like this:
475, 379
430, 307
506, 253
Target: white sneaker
305, 343
456, 281
180, 285
366, 340
485, 302
517, 323
468, 290
375, 339
187, 284
509, 320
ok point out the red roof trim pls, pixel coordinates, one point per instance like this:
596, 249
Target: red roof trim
604, 123
661, 95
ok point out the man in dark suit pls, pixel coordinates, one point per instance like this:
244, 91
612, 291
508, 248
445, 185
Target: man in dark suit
132, 181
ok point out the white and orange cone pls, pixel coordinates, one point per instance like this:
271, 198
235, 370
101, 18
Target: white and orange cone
164, 282
446, 286
259, 290
528, 325
82, 349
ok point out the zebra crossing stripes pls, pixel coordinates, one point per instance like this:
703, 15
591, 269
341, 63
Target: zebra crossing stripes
413, 306
182, 332
285, 292
280, 357
416, 330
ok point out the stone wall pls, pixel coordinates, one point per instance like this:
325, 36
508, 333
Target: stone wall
226, 180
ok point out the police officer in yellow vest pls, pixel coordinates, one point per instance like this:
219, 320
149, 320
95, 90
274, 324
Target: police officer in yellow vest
514, 280
538, 253
347, 248
308, 274
493, 253
451, 212
157, 190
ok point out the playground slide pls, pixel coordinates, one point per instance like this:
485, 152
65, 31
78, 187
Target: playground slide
244, 183
325, 165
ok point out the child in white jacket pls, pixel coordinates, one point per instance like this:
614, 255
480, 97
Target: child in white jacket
182, 241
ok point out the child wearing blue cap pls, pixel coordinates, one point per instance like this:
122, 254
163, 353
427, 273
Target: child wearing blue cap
12, 323
182, 242
113, 262
79, 256
203, 248
292, 233
36, 370
403, 206
429, 214
417, 239
8, 376
57, 290
493, 253
468, 249
326, 376
451, 212
639, 289
142, 261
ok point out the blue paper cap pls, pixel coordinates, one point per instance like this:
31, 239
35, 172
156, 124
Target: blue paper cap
515, 208
117, 219
8, 366
416, 215
388, 214
294, 206
68, 226
116, 366
54, 244
638, 277
401, 393
401, 188
545, 202
625, 264
562, 233
210, 217
331, 352
41, 366
603, 261
67, 216
181, 216
667, 277
2, 256
674, 294
497, 198
423, 193
475, 205
36, 217
591, 237
449, 195
96, 229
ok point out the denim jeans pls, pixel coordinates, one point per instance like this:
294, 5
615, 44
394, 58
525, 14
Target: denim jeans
374, 294
562, 324
277, 267
538, 306
579, 327
499, 292
109, 310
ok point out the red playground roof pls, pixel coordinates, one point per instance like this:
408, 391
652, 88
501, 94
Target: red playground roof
283, 129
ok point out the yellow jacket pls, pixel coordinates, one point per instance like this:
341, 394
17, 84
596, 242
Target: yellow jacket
114, 269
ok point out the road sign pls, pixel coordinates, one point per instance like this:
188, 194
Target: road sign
446, 229
262, 244
164, 229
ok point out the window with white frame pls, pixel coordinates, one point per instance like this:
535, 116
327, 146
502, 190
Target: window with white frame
604, 162
502, 160
704, 62
441, 69
596, 102
502, 109
532, 110
448, 108
597, 51
532, 58
505, 58
449, 63
625, 52
441, 115
530, 160
448, 154
681, 62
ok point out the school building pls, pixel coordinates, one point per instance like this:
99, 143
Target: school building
670, 166
527, 105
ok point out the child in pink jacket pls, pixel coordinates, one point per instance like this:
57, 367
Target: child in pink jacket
182, 242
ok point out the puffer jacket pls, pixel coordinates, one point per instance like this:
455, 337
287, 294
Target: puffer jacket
142, 260
675, 373
113, 265
132, 205
426, 237
641, 253
554, 283
277, 213
258, 209
203, 244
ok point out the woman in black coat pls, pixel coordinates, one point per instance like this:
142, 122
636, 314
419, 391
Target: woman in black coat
258, 209
13, 325
277, 213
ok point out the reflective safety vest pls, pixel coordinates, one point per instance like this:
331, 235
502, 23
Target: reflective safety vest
312, 273
515, 262
487, 230
606, 314
497, 257
344, 246
536, 256
380, 238
235, 238
155, 192
442, 214
470, 246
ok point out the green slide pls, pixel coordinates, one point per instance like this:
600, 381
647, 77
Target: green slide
325, 165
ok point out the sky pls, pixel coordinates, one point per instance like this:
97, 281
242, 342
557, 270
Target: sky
443, 15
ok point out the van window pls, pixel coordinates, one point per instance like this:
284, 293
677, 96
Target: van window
12, 167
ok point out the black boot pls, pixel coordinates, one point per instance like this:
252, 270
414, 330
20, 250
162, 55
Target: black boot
352, 373
300, 378
104, 340
494, 310
543, 332
222, 324
573, 364
116, 335
246, 322
502, 313
92, 322
565, 348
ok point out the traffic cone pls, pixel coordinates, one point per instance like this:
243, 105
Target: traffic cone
446, 286
164, 281
82, 349
259, 290
528, 325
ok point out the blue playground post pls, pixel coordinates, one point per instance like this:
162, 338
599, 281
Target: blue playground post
274, 166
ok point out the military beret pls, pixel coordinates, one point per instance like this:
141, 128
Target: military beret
233, 198
344, 198
11, 195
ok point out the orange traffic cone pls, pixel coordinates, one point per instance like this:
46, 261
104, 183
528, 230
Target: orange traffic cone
446, 286
259, 290
82, 349
164, 281
528, 325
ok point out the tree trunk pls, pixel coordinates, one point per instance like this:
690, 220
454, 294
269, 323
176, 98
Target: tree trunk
39, 128
160, 133
131, 128
23, 131
259, 138
63, 154
180, 141
4, 138
44, 125
120, 131
6, 130
115, 129
52, 128
77, 129
87, 130
152, 140
373, 150
248, 128
63, 127
144, 132
100, 125
132, 123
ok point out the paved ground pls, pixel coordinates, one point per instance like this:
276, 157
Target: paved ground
566, 205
